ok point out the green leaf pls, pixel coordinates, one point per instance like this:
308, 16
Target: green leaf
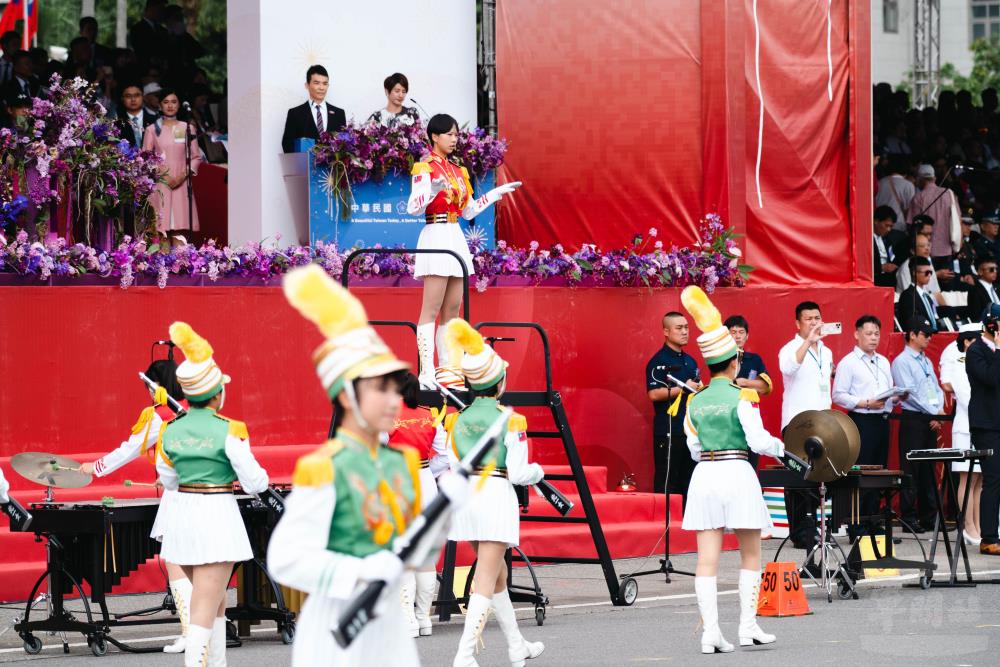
154, 248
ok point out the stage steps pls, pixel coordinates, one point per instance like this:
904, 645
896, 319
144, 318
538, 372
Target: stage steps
633, 523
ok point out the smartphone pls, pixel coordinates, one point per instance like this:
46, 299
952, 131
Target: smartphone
829, 328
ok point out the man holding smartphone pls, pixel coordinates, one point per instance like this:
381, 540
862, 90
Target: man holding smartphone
806, 369
670, 406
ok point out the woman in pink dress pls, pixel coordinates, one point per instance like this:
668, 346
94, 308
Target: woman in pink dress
167, 136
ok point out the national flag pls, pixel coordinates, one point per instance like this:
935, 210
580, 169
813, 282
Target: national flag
15, 11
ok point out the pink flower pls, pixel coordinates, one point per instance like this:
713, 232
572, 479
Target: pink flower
658, 245
652, 232
533, 245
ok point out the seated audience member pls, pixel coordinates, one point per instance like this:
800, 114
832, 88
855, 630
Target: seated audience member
314, 117
396, 87
16, 106
916, 301
885, 251
985, 240
895, 190
921, 248
133, 119
151, 98
24, 81
984, 292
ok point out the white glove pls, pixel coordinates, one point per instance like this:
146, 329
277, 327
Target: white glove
381, 566
439, 184
455, 488
496, 193
4, 487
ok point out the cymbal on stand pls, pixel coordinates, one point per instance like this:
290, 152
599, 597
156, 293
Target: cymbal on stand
51, 470
833, 433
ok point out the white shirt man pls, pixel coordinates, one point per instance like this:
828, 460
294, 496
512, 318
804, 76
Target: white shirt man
861, 376
896, 192
806, 367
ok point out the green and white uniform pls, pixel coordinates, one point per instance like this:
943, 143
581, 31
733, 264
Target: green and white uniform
491, 514
346, 504
200, 454
726, 494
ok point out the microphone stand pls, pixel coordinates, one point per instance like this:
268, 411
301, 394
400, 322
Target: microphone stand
188, 138
666, 566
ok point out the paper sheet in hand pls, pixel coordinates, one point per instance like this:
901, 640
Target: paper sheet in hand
889, 393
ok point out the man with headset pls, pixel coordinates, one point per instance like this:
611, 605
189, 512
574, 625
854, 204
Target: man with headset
982, 364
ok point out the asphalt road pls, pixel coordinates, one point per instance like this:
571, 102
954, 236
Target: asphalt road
889, 624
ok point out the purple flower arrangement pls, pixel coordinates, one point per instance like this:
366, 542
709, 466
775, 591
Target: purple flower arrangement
67, 144
712, 262
371, 151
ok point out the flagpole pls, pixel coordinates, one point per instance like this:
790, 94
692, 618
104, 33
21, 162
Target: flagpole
26, 28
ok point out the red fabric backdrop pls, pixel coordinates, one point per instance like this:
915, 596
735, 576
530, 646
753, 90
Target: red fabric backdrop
644, 113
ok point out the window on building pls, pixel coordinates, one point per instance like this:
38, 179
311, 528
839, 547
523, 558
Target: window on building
890, 15
986, 19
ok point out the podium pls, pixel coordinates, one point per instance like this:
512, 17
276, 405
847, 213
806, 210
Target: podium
377, 214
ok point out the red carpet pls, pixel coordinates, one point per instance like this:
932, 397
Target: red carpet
633, 523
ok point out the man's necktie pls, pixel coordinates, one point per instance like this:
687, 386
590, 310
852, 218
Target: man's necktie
137, 131
319, 120
931, 308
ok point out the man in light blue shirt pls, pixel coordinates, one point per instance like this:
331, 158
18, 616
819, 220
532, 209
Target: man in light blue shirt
913, 371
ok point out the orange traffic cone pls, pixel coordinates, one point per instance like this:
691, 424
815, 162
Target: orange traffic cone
781, 592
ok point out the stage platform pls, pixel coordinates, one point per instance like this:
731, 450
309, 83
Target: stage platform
69, 358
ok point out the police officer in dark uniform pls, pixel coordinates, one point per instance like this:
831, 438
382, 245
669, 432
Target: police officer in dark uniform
670, 406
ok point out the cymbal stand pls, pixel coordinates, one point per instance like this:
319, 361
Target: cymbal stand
830, 551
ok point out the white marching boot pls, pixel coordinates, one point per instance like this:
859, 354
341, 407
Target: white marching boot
750, 632
196, 648
518, 648
712, 640
217, 645
180, 590
406, 596
425, 353
476, 614
426, 585
443, 351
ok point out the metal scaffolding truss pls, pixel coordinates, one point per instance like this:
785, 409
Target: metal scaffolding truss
926, 52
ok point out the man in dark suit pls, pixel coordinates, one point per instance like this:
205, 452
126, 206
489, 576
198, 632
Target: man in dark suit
133, 119
982, 364
984, 291
306, 121
100, 55
886, 247
24, 82
148, 37
915, 302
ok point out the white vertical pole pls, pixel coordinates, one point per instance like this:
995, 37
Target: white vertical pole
25, 38
87, 8
121, 24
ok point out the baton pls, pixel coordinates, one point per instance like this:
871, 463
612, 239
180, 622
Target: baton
544, 489
360, 609
177, 407
20, 518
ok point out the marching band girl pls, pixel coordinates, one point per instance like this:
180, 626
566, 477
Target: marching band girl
142, 441
351, 496
722, 424
490, 520
419, 427
200, 454
442, 191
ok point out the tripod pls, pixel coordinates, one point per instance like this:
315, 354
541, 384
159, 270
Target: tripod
666, 567
829, 551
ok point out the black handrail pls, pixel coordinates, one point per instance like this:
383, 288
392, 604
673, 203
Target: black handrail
345, 276
545, 343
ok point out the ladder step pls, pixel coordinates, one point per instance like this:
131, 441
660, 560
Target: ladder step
544, 434
554, 519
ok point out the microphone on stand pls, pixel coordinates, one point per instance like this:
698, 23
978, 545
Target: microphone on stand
419, 106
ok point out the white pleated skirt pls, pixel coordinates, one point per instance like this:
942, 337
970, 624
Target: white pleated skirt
204, 528
384, 641
490, 515
166, 504
442, 236
725, 494
961, 441
428, 487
